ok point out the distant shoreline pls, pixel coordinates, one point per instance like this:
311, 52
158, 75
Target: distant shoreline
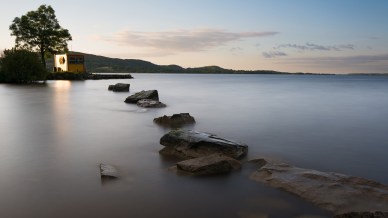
101, 64
87, 76
251, 73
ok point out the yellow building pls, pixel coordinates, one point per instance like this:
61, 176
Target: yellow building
69, 63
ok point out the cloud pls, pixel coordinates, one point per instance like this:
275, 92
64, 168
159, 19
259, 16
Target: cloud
181, 40
273, 54
235, 49
315, 47
362, 59
305, 47
356, 63
355, 59
374, 38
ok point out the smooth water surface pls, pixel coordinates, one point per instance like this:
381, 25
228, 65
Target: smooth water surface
54, 136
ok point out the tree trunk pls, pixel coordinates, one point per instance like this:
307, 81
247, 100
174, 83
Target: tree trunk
42, 57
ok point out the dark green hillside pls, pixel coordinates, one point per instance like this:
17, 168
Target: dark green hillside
95, 63
209, 69
101, 64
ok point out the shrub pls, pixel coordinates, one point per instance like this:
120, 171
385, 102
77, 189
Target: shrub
21, 66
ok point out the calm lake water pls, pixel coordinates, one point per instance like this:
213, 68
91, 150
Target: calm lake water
54, 136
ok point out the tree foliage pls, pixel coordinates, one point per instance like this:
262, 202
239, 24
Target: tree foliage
40, 31
21, 66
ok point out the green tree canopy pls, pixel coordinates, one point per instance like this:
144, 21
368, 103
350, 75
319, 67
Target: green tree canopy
40, 31
21, 66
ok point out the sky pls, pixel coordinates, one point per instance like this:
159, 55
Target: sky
316, 36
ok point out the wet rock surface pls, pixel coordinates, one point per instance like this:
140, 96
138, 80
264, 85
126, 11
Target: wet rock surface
187, 144
335, 192
119, 87
375, 214
149, 94
208, 165
149, 103
108, 171
176, 120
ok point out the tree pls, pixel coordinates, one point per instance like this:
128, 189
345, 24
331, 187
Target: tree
40, 31
21, 66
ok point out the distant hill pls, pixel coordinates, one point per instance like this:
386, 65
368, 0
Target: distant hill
101, 64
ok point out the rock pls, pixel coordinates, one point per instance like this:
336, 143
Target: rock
149, 103
150, 94
335, 192
108, 171
187, 144
176, 120
119, 87
258, 162
376, 214
209, 165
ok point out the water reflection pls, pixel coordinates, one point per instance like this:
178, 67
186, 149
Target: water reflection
61, 106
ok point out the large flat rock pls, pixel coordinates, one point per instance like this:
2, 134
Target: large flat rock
149, 94
187, 144
209, 165
335, 192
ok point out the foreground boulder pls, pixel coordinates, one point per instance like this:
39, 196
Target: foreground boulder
176, 120
150, 94
375, 214
187, 144
119, 87
149, 103
208, 165
108, 171
335, 192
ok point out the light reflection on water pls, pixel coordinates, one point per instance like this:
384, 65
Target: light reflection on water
61, 108
54, 137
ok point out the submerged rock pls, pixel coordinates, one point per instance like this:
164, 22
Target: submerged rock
375, 214
108, 171
119, 87
187, 144
149, 103
150, 94
335, 192
176, 120
209, 165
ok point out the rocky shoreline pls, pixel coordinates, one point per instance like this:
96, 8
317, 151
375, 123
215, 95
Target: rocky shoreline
205, 154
